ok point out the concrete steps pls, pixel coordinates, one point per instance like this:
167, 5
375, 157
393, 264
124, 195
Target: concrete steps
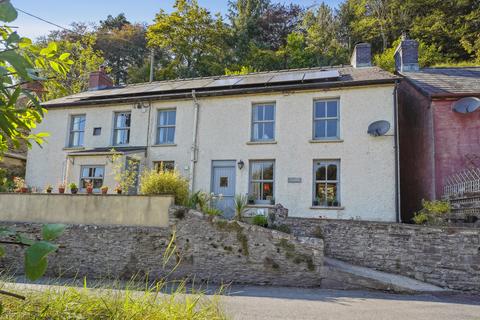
342, 275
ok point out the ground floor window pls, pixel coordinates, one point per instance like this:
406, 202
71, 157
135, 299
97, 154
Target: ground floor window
262, 178
164, 166
92, 174
326, 183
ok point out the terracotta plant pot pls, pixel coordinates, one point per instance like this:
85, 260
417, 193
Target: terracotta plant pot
49, 190
23, 189
74, 191
119, 191
89, 190
105, 191
61, 190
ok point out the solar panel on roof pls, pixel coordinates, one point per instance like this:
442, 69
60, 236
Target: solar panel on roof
318, 75
193, 84
287, 77
255, 79
223, 82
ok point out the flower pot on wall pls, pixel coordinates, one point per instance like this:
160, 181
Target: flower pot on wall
104, 190
89, 190
23, 189
61, 190
74, 191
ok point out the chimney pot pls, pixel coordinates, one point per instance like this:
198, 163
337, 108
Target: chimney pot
406, 55
99, 80
362, 55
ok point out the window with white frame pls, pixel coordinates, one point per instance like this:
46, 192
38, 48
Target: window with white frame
262, 178
77, 131
92, 174
326, 119
263, 122
166, 121
165, 166
121, 129
326, 183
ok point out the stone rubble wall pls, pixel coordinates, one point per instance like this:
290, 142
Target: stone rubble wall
446, 257
207, 250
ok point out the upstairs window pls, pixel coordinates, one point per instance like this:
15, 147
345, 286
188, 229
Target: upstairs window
262, 180
263, 122
326, 183
166, 126
77, 131
121, 130
326, 120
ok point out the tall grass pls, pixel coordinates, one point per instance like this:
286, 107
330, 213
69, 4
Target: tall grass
84, 303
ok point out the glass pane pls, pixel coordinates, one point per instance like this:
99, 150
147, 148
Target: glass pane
268, 171
170, 135
162, 135
268, 131
332, 194
122, 136
320, 194
97, 183
320, 129
331, 108
321, 172
269, 112
258, 113
331, 128
98, 172
127, 119
172, 115
332, 172
123, 120
320, 109
257, 131
162, 118
256, 171
256, 190
267, 191
78, 123
169, 165
84, 172
80, 139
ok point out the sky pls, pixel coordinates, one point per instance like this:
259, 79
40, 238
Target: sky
63, 12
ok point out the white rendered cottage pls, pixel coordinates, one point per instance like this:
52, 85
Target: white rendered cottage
294, 137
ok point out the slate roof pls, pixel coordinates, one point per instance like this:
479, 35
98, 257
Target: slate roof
236, 84
446, 82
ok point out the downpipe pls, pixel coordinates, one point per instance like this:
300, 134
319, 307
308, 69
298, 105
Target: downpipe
194, 148
397, 155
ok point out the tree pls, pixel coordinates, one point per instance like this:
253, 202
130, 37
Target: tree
22, 62
123, 45
194, 40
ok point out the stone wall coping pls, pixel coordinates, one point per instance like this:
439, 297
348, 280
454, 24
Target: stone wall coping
83, 194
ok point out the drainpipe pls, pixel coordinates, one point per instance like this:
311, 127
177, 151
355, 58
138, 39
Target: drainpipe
193, 154
397, 155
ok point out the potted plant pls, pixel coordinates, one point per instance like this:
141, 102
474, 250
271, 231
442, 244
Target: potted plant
48, 189
118, 189
104, 189
61, 188
73, 188
89, 187
20, 185
251, 199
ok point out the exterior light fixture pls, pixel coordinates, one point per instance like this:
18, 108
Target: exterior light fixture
240, 164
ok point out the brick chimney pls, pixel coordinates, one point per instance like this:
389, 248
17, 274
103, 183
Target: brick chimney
99, 80
362, 55
406, 55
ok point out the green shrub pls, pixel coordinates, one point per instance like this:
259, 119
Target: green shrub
212, 211
432, 213
165, 182
260, 221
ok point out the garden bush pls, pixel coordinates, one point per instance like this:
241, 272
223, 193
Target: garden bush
165, 182
432, 213
260, 221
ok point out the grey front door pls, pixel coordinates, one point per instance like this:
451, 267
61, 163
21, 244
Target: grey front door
223, 182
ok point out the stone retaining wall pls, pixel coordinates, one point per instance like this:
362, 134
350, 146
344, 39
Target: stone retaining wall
207, 250
447, 257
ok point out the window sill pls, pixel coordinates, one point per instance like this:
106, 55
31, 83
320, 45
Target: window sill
164, 145
262, 142
260, 206
73, 148
326, 208
326, 141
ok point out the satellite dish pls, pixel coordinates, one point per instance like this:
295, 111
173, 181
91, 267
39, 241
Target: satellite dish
378, 128
466, 105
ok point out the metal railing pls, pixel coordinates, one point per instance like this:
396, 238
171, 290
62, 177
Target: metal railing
458, 184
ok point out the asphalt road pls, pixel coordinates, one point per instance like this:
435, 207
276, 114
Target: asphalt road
288, 303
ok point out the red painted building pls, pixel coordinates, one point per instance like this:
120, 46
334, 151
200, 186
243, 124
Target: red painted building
435, 140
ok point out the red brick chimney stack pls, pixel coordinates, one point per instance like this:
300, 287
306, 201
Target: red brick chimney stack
99, 80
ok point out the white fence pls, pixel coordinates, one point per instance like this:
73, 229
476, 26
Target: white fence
467, 181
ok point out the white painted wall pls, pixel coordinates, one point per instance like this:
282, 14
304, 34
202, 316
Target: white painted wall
367, 164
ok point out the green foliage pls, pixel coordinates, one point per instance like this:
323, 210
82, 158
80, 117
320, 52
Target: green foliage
165, 182
212, 211
125, 171
260, 220
22, 62
72, 186
142, 301
432, 213
51, 232
240, 203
